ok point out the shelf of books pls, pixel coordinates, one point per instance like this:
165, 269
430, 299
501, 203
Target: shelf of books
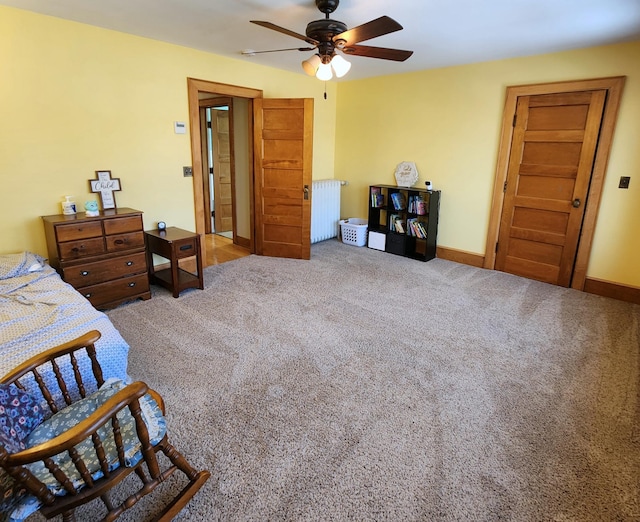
404, 221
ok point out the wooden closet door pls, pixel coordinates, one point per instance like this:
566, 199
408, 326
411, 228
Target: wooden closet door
552, 153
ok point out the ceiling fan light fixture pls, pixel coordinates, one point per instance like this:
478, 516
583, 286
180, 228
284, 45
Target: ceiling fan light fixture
311, 65
327, 36
340, 65
324, 72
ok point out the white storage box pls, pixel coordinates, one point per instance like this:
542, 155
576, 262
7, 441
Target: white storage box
354, 231
377, 240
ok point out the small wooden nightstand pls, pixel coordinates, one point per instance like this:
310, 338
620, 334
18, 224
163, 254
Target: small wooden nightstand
174, 244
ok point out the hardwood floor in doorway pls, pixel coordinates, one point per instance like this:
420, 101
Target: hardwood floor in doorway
220, 249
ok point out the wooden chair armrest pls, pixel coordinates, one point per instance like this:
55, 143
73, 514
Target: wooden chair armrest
82, 430
159, 400
38, 360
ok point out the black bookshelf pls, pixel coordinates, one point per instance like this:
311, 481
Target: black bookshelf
404, 220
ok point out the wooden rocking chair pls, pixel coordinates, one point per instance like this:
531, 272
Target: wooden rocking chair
122, 429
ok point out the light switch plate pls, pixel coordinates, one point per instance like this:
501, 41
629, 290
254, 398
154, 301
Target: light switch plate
624, 182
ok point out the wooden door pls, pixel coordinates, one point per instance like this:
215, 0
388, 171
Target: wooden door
216, 138
206, 169
552, 153
283, 141
222, 168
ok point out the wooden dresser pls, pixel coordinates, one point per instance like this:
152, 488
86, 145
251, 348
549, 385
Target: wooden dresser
103, 257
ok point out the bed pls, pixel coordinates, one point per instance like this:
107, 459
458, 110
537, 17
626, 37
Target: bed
39, 311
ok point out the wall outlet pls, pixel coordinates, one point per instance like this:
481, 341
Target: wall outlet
624, 182
187, 171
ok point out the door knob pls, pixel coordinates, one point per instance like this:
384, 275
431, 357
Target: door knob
306, 192
576, 203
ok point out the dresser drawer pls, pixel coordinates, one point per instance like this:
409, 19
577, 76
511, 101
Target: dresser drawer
101, 271
185, 248
78, 231
121, 242
77, 249
118, 290
122, 225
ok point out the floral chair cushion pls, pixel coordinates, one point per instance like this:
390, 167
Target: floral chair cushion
70, 417
20, 413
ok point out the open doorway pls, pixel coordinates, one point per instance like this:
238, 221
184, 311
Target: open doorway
232, 200
216, 121
274, 197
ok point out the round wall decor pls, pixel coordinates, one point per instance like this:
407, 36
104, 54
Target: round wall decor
406, 174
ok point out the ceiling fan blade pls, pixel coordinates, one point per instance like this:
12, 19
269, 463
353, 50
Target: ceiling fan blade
372, 29
397, 55
282, 30
251, 52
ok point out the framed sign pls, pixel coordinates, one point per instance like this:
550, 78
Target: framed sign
105, 185
406, 174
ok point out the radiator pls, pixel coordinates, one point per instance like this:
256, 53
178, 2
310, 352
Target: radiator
325, 209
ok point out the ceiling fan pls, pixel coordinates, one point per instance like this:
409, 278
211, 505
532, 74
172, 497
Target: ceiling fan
328, 36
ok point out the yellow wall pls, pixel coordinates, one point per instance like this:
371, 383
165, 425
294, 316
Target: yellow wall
75, 99
448, 122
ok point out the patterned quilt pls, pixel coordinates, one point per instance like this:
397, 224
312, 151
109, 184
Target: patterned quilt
39, 311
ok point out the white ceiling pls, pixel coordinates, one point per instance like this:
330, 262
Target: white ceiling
440, 32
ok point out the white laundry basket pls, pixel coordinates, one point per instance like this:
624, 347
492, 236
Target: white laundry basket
354, 231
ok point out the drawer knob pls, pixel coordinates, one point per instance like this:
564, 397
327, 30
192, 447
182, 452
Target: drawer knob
129, 263
186, 247
84, 273
119, 241
87, 295
131, 285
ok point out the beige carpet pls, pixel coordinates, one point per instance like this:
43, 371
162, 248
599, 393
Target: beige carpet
365, 386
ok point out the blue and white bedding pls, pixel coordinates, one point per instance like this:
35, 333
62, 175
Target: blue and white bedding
39, 311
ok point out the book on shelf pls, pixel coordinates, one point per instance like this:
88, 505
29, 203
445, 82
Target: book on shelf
396, 223
417, 205
377, 198
416, 228
398, 200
